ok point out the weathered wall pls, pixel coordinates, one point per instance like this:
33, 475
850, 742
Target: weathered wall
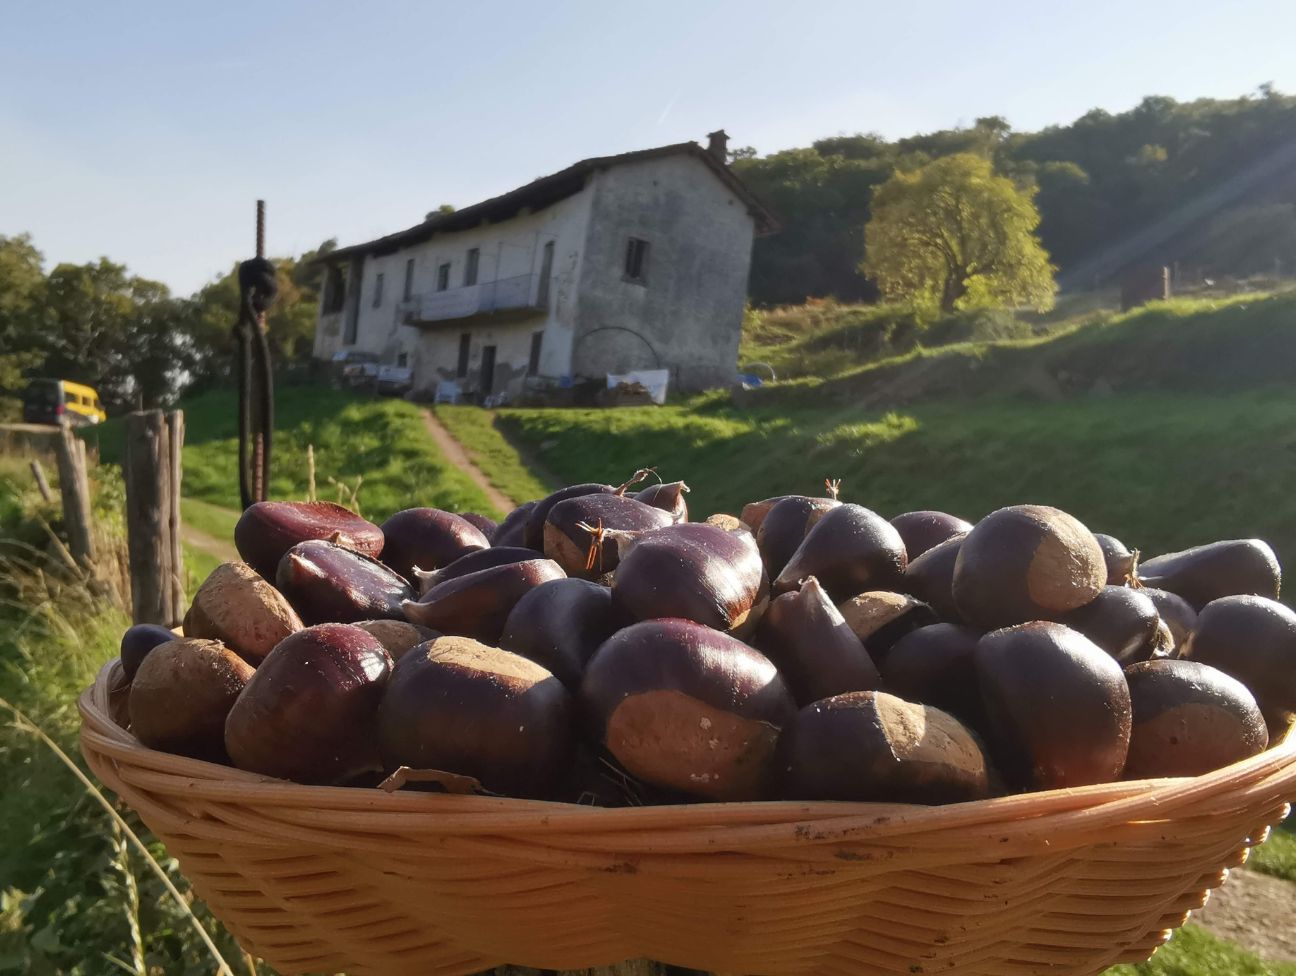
686, 316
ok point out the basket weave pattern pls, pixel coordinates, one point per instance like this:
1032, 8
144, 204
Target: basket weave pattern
321, 879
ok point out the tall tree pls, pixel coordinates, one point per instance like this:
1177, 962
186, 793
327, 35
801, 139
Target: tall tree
22, 290
953, 234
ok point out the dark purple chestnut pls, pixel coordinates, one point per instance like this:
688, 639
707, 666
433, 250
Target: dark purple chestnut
922, 530
753, 513
533, 533
1121, 561
1121, 620
930, 578
879, 619
329, 584
783, 528
1057, 706
1237, 567
684, 707
512, 531
429, 539
474, 561
137, 642
560, 624
308, 714
1189, 719
868, 746
181, 694
691, 570
813, 647
936, 665
1176, 612
573, 533
267, 530
398, 636
477, 604
669, 497
1254, 640
1026, 562
235, 606
463, 707
485, 525
849, 550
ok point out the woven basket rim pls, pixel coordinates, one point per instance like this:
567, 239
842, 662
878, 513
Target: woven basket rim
1270, 774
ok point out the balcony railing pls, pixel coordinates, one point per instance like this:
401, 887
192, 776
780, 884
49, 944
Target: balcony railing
505, 295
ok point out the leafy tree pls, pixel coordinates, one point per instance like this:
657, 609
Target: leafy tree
953, 234
22, 288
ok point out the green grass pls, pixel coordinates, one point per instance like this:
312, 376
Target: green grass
1277, 856
215, 520
498, 459
1195, 952
381, 441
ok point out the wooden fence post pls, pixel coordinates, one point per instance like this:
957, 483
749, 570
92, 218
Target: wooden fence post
74, 488
146, 471
175, 440
38, 473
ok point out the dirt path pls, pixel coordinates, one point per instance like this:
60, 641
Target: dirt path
222, 549
1255, 911
457, 456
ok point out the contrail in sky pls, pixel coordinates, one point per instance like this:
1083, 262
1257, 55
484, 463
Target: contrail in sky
670, 105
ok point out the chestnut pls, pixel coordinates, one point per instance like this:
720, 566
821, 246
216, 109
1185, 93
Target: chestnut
923, 529
471, 563
560, 624
235, 606
533, 532
266, 530
1236, 567
784, 527
813, 646
427, 538
879, 619
1189, 719
1120, 620
574, 531
930, 578
869, 746
753, 513
327, 583
463, 707
1176, 612
849, 550
687, 708
398, 636
1026, 562
137, 642
1057, 706
308, 713
484, 524
669, 497
1121, 561
477, 604
182, 693
1253, 639
512, 531
936, 665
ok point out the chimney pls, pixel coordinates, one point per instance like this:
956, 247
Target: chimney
718, 146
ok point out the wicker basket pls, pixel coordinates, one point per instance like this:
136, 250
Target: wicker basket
327, 879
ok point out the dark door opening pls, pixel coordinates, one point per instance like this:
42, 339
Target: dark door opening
488, 370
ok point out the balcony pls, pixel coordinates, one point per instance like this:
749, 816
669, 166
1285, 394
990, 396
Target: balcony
506, 298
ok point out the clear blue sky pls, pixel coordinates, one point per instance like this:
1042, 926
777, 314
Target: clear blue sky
145, 130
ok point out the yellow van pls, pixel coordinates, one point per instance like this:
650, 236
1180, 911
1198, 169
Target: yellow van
62, 402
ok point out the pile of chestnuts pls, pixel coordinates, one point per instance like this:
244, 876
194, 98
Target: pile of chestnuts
597, 646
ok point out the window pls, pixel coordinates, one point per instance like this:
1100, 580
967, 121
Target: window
334, 290
636, 259
464, 341
443, 277
470, 266
402, 360
378, 283
546, 272
408, 291
533, 363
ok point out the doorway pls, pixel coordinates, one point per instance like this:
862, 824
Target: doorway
488, 371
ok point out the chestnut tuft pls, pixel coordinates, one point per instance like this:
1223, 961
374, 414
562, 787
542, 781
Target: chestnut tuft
266, 530
427, 538
235, 606
181, 695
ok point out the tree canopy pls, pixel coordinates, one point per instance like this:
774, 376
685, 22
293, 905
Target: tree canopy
952, 235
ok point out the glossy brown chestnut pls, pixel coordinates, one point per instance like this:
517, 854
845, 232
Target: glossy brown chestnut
327, 583
1119, 559
308, 714
267, 530
1026, 562
694, 571
930, 578
485, 525
1176, 612
427, 538
474, 561
686, 708
533, 533
1057, 706
1254, 640
669, 497
784, 528
813, 647
922, 530
936, 665
560, 624
181, 694
477, 604
398, 636
1189, 719
1237, 567
868, 746
880, 618
753, 513
463, 707
1120, 620
235, 606
849, 550
512, 531
137, 642
582, 553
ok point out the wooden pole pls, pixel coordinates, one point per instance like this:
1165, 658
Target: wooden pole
145, 470
74, 488
175, 441
42, 485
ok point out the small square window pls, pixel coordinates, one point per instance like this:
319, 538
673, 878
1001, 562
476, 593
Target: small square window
443, 277
378, 285
636, 259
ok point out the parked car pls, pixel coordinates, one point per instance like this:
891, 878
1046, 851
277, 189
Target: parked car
356, 368
396, 380
62, 402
